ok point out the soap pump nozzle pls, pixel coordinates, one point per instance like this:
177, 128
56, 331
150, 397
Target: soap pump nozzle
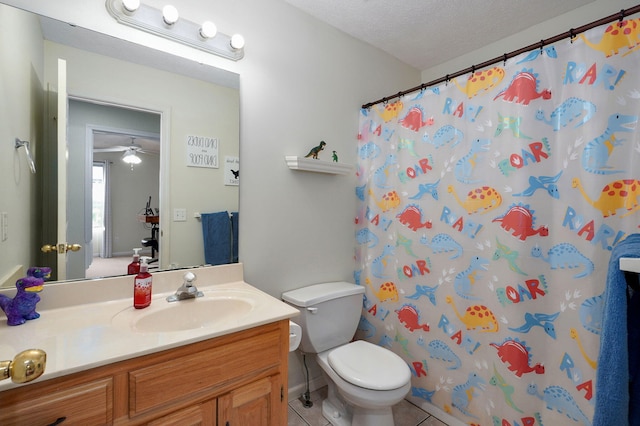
134, 267
144, 263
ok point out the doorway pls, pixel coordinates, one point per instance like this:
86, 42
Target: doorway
108, 223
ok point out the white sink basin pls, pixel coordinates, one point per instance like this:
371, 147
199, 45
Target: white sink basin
202, 312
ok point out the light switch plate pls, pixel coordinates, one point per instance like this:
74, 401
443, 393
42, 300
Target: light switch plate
179, 215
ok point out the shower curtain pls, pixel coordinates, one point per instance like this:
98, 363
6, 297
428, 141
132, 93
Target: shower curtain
488, 207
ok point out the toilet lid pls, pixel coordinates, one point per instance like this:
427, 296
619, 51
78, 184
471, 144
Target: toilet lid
369, 366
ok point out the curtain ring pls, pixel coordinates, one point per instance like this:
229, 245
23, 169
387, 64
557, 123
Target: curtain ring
446, 82
572, 35
621, 15
505, 60
473, 69
541, 45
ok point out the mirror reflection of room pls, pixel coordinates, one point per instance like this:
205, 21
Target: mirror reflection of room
125, 184
102, 73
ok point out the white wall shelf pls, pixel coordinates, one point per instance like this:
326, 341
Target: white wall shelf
318, 166
630, 264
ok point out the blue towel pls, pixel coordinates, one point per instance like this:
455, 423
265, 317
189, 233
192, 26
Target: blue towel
235, 221
614, 392
216, 232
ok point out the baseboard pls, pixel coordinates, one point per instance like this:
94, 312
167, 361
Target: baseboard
143, 252
314, 385
9, 280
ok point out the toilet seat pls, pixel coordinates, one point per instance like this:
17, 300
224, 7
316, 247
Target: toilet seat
369, 366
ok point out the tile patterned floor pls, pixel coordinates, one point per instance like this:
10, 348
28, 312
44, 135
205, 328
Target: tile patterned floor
404, 413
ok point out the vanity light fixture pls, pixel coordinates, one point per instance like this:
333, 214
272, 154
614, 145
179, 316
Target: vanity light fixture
168, 24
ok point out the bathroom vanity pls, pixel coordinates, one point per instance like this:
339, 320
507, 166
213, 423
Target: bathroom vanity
109, 368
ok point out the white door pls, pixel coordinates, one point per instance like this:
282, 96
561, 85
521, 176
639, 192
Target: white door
54, 183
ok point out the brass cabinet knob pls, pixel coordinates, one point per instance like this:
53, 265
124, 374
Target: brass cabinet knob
26, 366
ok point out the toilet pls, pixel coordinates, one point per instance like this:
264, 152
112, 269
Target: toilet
364, 380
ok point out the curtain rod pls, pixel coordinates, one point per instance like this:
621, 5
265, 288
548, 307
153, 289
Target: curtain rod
569, 34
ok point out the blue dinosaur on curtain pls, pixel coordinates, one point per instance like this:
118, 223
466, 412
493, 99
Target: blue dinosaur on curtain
487, 211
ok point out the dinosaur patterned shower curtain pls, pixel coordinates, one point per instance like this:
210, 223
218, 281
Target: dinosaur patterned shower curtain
487, 211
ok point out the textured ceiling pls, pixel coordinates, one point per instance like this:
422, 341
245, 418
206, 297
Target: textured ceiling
425, 33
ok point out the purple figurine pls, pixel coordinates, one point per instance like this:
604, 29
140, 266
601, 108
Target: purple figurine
23, 306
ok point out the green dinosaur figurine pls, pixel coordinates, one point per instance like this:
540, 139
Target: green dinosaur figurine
316, 150
335, 156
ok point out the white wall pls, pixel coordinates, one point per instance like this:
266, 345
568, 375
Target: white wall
562, 23
21, 114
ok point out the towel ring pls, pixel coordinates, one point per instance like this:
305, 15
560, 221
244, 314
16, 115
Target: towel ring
25, 145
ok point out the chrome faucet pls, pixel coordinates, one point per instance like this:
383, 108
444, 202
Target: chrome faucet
187, 290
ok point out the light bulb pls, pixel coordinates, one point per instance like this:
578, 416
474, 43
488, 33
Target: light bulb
208, 30
170, 14
130, 6
237, 41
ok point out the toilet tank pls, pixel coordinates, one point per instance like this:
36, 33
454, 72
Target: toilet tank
329, 314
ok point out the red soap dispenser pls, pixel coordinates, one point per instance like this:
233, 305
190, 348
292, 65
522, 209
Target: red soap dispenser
134, 266
142, 286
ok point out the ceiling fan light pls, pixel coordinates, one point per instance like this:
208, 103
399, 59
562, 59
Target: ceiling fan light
130, 157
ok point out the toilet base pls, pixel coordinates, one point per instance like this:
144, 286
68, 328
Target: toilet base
334, 407
334, 415
358, 418
340, 413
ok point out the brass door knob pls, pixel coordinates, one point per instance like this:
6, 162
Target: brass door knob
26, 366
60, 248
73, 247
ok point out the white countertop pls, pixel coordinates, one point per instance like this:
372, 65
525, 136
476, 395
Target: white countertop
82, 334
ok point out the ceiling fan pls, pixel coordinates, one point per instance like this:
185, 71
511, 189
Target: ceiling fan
131, 148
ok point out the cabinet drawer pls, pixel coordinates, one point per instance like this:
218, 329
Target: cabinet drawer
88, 404
203, 373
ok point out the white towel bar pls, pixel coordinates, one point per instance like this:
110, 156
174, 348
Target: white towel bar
198, 215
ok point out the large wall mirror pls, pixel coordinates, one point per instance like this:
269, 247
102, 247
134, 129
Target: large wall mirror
121, 98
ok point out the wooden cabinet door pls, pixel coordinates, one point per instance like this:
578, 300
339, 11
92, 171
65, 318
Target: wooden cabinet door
199, 415
256, 404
